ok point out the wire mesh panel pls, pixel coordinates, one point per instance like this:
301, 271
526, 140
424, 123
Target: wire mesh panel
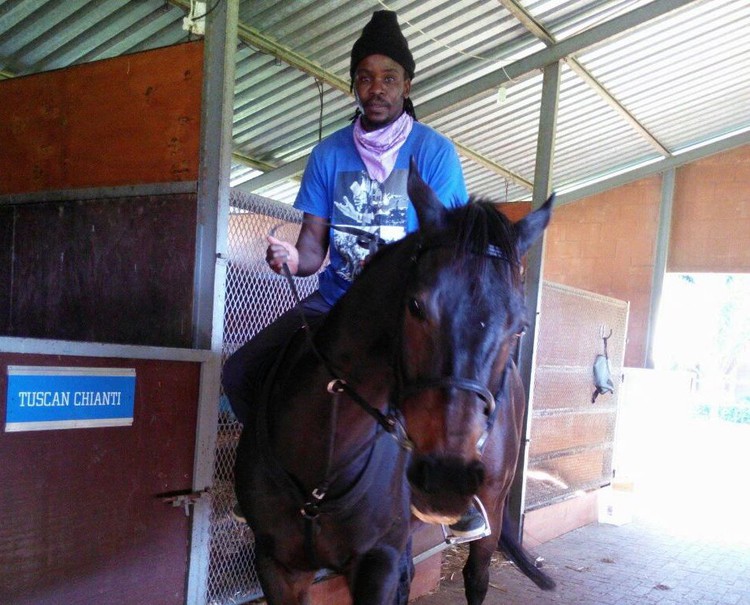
255, 296
572, 439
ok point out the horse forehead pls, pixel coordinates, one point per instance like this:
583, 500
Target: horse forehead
460, 275
460, 284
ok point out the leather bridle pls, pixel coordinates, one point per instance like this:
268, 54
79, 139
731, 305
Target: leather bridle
392, 421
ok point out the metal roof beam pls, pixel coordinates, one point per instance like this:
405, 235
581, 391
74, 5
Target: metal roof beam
258, 40
287, 171
493, 166
467, 92
536, 28
252, 162
263, 43
576, 192
615, 104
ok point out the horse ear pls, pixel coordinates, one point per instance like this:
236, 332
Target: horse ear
430, 211
530, 227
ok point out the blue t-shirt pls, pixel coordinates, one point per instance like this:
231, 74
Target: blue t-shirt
336, 187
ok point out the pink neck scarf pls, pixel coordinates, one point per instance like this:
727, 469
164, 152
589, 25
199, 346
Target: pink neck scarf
379, 148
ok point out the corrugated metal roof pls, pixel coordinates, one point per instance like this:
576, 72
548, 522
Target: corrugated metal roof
686, 76
642, 94
39, 35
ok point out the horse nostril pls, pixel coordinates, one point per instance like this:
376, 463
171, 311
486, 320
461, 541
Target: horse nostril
420, 474
474, 476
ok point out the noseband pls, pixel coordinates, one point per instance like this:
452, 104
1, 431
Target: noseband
465, 384
462, 384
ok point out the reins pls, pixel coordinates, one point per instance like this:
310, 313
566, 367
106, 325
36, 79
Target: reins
391, 423
366, 239
312, 504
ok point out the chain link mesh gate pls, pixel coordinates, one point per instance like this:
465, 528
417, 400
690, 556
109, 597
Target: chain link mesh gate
572, 439
255, 296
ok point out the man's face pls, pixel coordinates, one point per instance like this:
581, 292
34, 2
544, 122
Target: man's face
381, 86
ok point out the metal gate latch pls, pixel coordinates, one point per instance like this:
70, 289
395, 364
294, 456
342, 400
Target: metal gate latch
184, 499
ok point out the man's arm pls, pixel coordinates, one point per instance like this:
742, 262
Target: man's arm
308, 255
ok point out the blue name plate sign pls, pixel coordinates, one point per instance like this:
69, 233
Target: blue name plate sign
46, 398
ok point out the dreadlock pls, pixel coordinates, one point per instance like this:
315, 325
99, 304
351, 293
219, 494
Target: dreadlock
409, 108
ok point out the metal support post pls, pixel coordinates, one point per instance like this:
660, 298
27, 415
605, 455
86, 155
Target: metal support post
533, 281
210, 265
660, 260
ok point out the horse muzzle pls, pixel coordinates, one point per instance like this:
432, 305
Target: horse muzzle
433, 518
442, 487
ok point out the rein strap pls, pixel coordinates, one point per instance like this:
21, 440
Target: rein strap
391, 423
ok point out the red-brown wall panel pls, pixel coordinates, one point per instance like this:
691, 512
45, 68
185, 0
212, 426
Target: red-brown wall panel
606, 244
711, 216
129, 120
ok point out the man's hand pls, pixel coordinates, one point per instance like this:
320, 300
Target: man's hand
307, 256
280, 252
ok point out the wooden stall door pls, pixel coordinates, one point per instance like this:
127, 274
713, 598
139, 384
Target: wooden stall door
83, 517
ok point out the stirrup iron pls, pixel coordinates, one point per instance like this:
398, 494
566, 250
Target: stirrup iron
452, 539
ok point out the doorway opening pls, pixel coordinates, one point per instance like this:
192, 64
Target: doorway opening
694, 461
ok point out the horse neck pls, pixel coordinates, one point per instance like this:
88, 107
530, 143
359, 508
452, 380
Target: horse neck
359, 335
356, 342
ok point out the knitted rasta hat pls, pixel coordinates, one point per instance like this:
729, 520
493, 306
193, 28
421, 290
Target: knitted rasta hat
382, 36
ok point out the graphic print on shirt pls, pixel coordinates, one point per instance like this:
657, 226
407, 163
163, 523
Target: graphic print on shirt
378, 208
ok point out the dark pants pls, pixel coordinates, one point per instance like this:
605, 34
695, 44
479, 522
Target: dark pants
245, 369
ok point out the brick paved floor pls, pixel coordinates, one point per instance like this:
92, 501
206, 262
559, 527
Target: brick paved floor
689, 542
632, 564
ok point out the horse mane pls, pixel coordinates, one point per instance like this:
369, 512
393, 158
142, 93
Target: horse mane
481, 238
479, 228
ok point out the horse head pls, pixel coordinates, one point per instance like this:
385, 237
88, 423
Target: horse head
463, 310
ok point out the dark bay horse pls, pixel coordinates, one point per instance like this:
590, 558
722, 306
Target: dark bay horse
419, 350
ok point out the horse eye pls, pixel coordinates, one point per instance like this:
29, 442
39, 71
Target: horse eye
416, 309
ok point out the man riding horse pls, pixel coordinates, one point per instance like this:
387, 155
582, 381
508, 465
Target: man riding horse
411, 341
353, 192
